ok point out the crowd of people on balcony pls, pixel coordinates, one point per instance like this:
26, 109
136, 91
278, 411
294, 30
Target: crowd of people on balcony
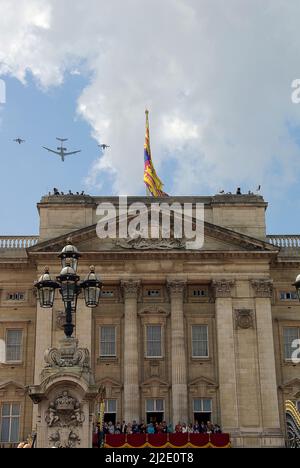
160, 428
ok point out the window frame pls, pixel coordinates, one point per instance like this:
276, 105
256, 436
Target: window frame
202, 399
285, 327
14, 361
161, 340
10, 417
155, 410
192, 340
107, 356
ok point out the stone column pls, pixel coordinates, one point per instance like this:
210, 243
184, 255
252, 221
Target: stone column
83, 330
226, 355
43, 340
263, 290
131, 356
178, 354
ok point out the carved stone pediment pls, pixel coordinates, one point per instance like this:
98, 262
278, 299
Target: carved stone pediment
216, 238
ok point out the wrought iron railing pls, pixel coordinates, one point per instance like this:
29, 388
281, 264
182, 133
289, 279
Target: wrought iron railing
18, 242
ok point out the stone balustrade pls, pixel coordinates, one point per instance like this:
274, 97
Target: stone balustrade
285, 241
18, 242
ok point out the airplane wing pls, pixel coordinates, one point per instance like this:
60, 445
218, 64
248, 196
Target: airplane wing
73, 152
52, 151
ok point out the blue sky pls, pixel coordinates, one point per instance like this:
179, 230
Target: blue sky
216, 77
28, 171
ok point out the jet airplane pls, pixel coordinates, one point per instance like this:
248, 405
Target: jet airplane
62, 151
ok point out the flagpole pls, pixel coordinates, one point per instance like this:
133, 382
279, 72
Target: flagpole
148, 193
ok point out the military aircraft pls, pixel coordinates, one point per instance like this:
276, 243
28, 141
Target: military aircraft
19, 140
62, 152
104, 147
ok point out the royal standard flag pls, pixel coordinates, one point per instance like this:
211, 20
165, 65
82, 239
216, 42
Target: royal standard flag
151, 179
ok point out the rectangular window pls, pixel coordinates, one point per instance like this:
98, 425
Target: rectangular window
154, 348
110, 412
288, 296
108, 341
14, 345
155, 410
200, 292
10, 423
200, 341
290, 334
17, 296
107, 293
153, 292
202, 409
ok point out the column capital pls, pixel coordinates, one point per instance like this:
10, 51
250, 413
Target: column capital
176, 287
223, 288
262, 288
130, 288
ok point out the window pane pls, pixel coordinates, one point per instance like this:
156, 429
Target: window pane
5, 409
200, 340
150, 405
289, 334
154, 341
160, 405
207, 406
5, 430
108, 341
111, 406
197, 406
15, 409
14, 434
13, 345
14, 337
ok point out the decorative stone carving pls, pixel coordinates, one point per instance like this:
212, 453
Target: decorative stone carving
130, 288
141, 243
64, 439
176, 287
64, 412
223, 288
68, 355
244, 319
262, 287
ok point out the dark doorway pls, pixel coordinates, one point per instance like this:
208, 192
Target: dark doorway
110, 417
202, 417
155, 418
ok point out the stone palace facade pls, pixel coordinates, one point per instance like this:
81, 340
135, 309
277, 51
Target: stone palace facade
178, 335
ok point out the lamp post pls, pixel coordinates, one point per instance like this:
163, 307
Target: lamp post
297, 286
69, 285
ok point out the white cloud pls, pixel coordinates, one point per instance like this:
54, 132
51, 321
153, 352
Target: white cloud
215, 75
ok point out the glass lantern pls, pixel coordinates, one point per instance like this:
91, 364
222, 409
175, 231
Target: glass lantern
68, 284
92, 289
70, 256
46, 290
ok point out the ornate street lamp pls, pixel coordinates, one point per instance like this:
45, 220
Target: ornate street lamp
69, 286
297, 286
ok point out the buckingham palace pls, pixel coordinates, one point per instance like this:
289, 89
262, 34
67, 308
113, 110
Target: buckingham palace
178, 335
